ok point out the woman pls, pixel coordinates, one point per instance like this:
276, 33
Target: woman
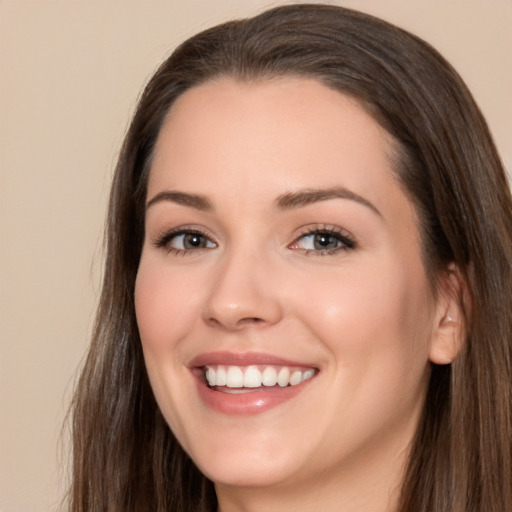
307, 296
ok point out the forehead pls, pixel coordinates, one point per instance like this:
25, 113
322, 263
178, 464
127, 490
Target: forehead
271, 135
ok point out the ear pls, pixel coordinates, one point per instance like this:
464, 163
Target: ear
449, 331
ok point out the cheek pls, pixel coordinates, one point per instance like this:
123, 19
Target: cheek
375, 326
166, 305
166, 310
379, 314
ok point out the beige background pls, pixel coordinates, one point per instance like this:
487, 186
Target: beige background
70, 73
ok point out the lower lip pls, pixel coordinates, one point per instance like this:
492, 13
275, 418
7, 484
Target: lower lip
248, 403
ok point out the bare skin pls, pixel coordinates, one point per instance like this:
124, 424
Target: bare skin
276, 229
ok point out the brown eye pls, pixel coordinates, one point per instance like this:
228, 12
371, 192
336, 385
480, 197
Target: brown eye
194, 241
186, 241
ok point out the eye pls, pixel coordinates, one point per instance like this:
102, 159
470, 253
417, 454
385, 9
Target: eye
323, 241
184, 240
188, 241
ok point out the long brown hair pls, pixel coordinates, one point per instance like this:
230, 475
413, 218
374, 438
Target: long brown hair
125, 458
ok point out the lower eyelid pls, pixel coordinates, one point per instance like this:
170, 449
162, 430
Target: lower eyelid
165, 237
345, 240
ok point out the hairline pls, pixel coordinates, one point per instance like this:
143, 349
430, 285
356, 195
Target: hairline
396, 153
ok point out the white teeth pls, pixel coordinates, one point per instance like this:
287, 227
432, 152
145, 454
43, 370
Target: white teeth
283, 377
269, 376
295, 378
220, 379
253, 377
210, 377
308, 374
234, 377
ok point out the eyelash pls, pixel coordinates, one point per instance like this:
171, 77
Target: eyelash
344, 238
164, 240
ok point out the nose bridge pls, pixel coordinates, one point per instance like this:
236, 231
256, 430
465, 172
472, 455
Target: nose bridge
242, 293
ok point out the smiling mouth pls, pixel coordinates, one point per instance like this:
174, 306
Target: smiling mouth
242, 379
245, 384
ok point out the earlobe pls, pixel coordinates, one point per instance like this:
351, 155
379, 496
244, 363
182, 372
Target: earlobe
449, 327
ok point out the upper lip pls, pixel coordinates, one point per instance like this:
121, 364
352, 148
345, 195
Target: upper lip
243, 359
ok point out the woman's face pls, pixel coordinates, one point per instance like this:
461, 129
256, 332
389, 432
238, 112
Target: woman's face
282, 261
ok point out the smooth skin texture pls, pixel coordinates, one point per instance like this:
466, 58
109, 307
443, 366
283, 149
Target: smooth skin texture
252, 277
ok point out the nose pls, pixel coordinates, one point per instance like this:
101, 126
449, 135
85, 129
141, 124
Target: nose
244, 293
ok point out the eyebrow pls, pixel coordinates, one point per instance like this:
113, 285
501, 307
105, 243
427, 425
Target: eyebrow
288, 201
183, 198
301, 198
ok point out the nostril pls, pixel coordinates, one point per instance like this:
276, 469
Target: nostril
242, 322
234, 303
250, 320
213, 322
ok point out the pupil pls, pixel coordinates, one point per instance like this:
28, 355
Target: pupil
325, 241
193, 241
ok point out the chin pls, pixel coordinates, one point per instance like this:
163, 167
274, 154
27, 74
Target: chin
246, 473
259, 465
